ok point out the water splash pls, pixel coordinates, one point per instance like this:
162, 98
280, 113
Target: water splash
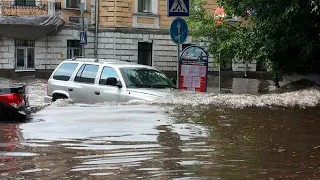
304, 98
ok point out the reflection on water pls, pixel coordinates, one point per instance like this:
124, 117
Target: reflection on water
152, 142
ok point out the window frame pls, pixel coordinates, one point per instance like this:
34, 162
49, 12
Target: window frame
53, 75
72, 7
25, 3
101, 72
81, 69
73, 48
26, 46
153, 7
144, 4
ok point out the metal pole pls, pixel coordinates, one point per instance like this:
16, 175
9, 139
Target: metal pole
82, 31
178, 66
114, 31
219, 75
96, 29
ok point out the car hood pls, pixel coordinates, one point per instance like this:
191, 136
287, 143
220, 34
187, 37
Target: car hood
153, 91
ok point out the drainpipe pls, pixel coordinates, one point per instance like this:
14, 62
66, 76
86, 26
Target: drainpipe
114, 32
46, 57
96, 29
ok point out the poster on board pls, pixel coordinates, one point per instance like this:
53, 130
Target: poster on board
193, 73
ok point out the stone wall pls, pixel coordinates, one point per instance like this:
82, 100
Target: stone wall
7, 53
123, 45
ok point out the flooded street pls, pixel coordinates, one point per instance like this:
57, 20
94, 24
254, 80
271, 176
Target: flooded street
185, 136
157, 142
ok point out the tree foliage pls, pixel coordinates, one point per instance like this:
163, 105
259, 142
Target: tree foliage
285, 33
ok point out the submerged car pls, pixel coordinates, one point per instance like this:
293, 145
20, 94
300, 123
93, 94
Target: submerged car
99, 80
13, 102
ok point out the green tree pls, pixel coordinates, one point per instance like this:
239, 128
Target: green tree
284, 33
227, 42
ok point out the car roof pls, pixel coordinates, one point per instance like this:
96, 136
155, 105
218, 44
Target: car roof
111, 62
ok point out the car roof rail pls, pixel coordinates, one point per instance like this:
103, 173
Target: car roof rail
74, 58
80, 58
112, 60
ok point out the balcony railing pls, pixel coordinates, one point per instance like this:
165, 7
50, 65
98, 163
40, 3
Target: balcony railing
28, 7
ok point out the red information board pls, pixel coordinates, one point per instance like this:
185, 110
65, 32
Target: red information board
193, 69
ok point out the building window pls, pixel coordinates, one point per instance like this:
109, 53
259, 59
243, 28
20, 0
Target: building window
72, 3
73, 49
25, 2
144, 6
145, 53
24, 54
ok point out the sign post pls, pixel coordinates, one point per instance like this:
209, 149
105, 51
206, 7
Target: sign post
178, 34
83, 34
193, 63
179, 27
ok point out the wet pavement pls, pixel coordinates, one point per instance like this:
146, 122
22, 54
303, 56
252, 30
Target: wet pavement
163, 142
244, 135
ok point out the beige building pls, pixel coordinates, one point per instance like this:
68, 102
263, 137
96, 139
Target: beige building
36, 35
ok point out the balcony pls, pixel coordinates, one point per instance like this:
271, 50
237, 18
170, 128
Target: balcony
28, 7
29, 19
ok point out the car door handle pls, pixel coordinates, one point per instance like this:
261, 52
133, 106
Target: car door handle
97, 92
70, 89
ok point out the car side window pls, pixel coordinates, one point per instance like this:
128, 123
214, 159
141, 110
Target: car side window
87, 73
106, 73
65, 71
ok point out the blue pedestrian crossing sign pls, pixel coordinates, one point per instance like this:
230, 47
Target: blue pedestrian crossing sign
179, 31
83, 38
178, 8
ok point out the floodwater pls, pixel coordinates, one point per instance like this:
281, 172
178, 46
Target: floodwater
163, 142
183, 136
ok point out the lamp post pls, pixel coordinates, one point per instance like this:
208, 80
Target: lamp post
219, 16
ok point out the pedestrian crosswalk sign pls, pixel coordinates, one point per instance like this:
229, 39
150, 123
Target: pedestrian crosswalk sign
178, 8
83, 38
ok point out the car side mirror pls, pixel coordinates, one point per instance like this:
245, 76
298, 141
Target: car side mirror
174, 81
112, 81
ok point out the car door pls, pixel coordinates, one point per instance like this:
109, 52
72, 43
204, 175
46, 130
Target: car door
81, 90
108, 93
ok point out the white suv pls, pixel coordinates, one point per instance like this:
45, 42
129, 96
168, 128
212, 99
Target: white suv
98, 80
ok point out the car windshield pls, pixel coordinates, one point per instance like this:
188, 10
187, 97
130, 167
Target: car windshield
145, 78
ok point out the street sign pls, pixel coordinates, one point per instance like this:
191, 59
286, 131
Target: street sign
85, 23
193, 64
178, 8
82, 7
179, 31
74, 19
83, 38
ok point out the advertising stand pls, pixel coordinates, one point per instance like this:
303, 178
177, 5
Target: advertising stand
193, 64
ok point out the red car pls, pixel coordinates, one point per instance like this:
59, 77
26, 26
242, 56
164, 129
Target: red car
13, 102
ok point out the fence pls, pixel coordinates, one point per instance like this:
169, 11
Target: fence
28, 7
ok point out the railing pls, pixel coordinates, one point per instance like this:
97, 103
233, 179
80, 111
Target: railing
28, 7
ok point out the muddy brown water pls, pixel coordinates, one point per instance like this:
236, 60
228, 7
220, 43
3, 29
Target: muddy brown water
153, 142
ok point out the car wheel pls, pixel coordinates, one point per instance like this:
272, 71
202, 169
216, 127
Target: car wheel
58, 96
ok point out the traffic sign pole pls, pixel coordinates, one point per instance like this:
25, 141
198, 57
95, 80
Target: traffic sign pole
178, 34
178, 28
178, 66
82, 18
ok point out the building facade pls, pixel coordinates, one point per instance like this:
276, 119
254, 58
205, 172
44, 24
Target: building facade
36, 35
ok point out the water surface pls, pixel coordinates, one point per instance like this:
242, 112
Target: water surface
163, 142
